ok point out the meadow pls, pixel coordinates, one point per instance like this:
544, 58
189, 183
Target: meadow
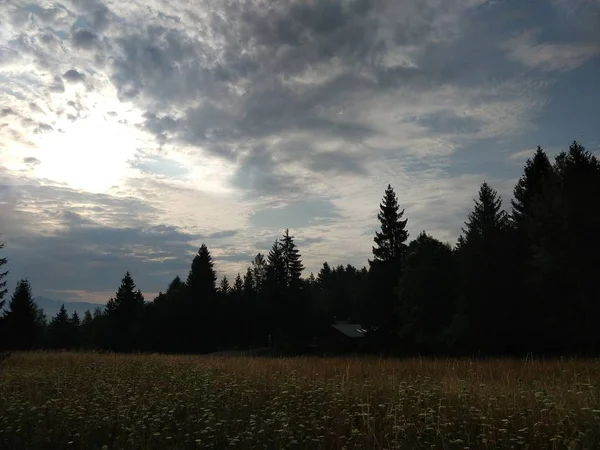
95, 401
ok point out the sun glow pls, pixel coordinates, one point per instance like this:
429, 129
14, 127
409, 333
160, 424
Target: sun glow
89, 154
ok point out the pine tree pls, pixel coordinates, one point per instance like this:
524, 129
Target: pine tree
292, 263
3, 292
379, 313
75, 323
249, 285
530, 186
202, 277
484, 258
61, 329
224, 288
238, 285
125, 312
259, 271
175, 285
276, 271
3, 274
390, 241
22, 318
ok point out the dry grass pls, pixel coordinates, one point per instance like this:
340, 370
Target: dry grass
66, 400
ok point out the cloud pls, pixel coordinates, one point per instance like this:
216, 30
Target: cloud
31, 161
230, 121
84, 39
548, 55
73, 76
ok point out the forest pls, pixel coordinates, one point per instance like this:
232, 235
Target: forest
522, 279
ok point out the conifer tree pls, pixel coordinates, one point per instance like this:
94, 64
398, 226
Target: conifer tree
379, 309
3, 274
484, 256
390, 241
22, 318
276, 270
238, 285
530, 186
224, 288
291, 260
125, 312
249, 285
175, 285
61, 329
259, 272
202, 276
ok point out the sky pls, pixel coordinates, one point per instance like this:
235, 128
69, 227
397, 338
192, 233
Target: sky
132, 132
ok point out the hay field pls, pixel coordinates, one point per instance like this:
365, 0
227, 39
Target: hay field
93, 401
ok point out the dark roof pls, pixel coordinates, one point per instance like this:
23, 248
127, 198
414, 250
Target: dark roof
351, 330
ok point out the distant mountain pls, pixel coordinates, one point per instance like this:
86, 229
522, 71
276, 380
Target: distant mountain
51, 306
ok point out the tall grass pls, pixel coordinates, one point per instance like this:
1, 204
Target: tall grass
67, 400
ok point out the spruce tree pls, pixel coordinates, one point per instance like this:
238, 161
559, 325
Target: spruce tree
61, 329
3, 292
22, 318
175, 285
379, 310
238, 285
202, 276
390, 241
529, 187
291, 260
249, 285
276, 270
3, 274
484, 258
259, 272
224, 288
125, 313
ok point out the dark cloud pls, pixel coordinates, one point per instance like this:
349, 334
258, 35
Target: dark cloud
31, 161
84, 39
77, 251
298, 214
222, 234
7, 112
73, 76
43, 128
57, 85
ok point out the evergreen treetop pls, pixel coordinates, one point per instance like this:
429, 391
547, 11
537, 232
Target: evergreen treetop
202, 276
390, 241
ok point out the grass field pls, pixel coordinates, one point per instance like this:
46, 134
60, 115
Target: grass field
76, 401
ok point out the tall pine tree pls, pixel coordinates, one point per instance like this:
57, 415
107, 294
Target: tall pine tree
125, 314
61, 330
484, 322
385, 271
292, 261
22, 318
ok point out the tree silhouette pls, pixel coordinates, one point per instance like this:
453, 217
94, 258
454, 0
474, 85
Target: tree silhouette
202, 276
61, 330
3, 292
427, 292
224, 288
385, 272
390, 241
125, 313
291, 261
22, 318
3, 274
483, 253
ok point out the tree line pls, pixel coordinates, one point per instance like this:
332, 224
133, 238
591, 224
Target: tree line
518, 281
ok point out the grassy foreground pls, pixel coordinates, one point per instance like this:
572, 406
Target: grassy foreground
76, 401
